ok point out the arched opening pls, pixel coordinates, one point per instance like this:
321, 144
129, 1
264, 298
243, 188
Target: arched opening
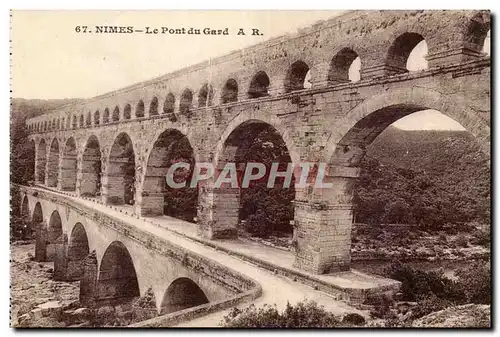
169, 107
477, 31
63, 123
58, 124
91, 168
345, 67
181, 294
78, 249
186, 102
121, 172
230, 91
88, 121
68, 122
417, 59
28, 228
296, 76
68, 166
486, 45
75, 125
127, 112
27, 163
41, 233
139, 109
117, 282
158, 197
53, 164
307, 80
205, 96
53, 233
259, 209
41, 161
97, 117
105, 117
153, 107
259, 85
414, 178
81, 122
25, 210
116, 114
399, 53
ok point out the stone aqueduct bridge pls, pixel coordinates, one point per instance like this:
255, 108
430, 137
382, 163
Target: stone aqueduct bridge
117, 262
212, 103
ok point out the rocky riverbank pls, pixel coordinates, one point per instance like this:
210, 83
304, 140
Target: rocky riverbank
39, 301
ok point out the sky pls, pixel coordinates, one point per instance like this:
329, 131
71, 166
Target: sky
52, 61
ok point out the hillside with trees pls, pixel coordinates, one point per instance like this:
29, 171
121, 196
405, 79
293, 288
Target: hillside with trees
429, 178
21, 156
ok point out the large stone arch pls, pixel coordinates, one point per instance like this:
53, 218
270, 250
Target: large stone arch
169, 147
41, 161
29, 229
69, 166
406, 101
260, 116
91, 166
29, 173
120, 171
78, 249
220, 205
25, 208
54, 231
181, 294
344, 150
53, 164
41, 232
117, 280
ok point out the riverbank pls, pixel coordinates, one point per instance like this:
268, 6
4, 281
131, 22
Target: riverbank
374, 247
39, 301
32, 286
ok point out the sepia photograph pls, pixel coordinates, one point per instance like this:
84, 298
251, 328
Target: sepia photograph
250, 169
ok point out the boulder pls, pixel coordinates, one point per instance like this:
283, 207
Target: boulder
469, 315
51, 308
24, 319
82, 311
37, 313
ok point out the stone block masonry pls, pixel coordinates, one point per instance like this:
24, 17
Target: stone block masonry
332, 121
